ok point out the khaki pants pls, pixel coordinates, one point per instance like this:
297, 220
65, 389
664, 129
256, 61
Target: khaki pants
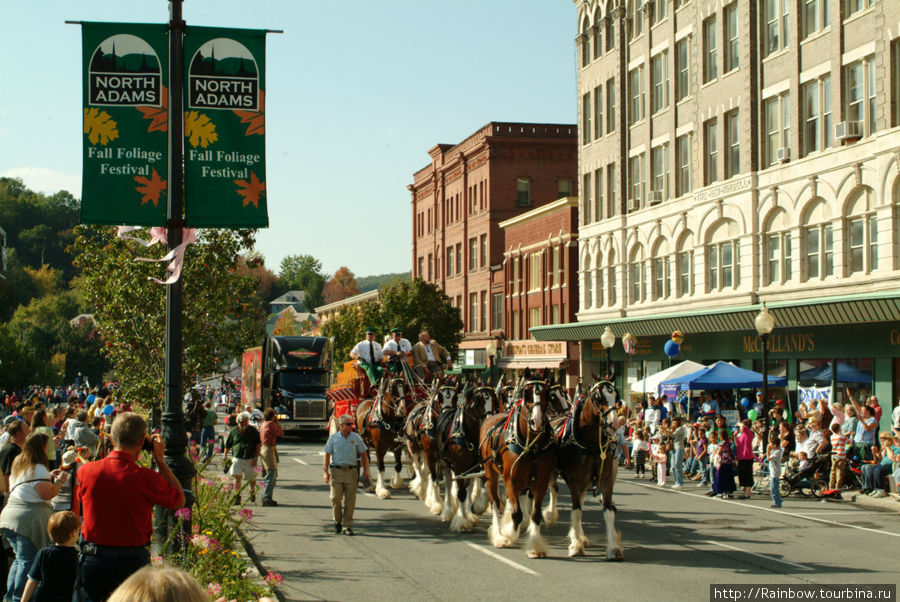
343, 494
838, 473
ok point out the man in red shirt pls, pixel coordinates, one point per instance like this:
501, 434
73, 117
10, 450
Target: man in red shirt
116, 499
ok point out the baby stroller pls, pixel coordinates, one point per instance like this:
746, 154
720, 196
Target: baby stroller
809, 482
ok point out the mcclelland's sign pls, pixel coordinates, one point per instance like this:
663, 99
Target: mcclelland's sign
782, 343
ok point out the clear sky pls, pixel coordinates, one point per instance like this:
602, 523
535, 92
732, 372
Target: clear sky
357, 92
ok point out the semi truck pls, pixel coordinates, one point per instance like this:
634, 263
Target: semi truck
291, 375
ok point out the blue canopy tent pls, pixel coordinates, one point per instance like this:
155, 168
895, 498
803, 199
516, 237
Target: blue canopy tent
723, 375
845, 373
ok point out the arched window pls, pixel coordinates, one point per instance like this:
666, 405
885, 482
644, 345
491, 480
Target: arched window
723, 257
635, 19
585, 42
610, 28
611, 278
860, 234
598, 42
598, 275
818, 242
637, 283
685, 266
778, 249
661, 272
586, 277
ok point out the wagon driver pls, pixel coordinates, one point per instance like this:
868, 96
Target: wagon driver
430, 354
398, 350
369, 354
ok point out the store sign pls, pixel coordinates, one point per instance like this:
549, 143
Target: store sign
125, 123
224, 128
782, 343
534, 348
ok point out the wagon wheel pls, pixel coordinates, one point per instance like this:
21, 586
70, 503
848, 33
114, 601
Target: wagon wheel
785, 488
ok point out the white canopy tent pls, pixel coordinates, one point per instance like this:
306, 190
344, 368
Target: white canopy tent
651, 383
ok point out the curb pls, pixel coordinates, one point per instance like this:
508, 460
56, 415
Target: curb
256, 562
889, 502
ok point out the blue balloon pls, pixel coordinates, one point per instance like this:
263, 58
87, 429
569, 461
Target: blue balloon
745, 402
671, 348
108, 410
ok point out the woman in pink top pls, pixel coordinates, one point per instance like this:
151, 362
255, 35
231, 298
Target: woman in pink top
744, 444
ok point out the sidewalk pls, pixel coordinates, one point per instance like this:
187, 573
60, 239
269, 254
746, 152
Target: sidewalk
890, 502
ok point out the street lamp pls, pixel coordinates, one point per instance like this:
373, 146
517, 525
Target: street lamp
608, 340
765, 324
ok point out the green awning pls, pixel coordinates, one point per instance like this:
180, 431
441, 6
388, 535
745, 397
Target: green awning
828, 311
458, 369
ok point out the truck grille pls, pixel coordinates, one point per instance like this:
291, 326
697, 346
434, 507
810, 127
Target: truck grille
309, 409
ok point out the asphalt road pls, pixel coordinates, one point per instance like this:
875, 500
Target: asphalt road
676, 544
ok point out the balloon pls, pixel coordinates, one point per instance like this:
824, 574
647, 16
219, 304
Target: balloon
108, 410
752, 414
745, 402
671, 348
678, 337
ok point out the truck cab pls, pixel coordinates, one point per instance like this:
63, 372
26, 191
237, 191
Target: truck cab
296, 372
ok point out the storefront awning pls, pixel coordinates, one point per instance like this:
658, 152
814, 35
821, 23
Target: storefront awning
516, 363
843, 310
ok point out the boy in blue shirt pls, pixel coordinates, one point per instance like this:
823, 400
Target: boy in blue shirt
52, 575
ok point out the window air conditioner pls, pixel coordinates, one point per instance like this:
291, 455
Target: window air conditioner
783, 155
656, 197
848, 130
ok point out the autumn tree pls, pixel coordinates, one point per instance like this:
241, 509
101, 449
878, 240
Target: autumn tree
340, 286
286, 326
302, 273
130, 309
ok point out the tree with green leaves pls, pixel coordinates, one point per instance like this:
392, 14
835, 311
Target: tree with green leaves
303, 273
218, 317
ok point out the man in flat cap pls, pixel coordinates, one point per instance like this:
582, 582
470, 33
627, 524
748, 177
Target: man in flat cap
369, 354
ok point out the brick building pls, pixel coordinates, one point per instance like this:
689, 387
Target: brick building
540, 285
459, 200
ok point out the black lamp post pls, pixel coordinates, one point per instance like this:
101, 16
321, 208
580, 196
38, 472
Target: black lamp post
765, 324
608, 340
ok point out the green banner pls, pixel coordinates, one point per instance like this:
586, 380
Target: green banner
224, 128
125, 100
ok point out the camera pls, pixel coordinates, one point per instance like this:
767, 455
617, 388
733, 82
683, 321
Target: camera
147, 445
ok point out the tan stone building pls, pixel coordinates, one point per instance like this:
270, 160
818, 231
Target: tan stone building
734, 153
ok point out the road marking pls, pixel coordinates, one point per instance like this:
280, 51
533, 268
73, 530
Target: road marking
775, 510
722, 545
299, 461
506, 561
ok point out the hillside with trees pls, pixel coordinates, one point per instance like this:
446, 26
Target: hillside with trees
370, 283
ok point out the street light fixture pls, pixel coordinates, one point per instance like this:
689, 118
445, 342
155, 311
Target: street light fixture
608, 340
765, 324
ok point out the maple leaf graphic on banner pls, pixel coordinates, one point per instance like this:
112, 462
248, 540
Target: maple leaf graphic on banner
100, 126
151, 188
255, 119
158, 115
199, 129
252, 190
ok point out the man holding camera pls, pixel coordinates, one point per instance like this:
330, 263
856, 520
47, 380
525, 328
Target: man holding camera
116, 497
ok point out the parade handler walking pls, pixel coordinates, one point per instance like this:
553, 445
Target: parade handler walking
343, 452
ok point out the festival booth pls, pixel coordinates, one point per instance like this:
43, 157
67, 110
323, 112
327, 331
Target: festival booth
650, 385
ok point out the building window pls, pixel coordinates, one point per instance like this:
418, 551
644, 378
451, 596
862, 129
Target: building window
555, 319
563, 188
586, 190
586, 127
484, 252
659, 166
586, 278
598, 42
554, 269
778, 255
636, 183
816, 116
710, 152
459, 258
661, 285
430, 267
523, 192
517, 329
421, 273
819, 251
722, 265
534, 317
854, 6
895, 83
776, 14
657, 11
483, 314
777, 128
685, 273
816, 16
585, 44
473, 311
635, 95
637, 286
612, 207
732, 144
710, 69
659, 73
635, 20
860, 94
862, 244
598, 112
598, 194
516, 288
611, 280
610, 105
497, 311
534, 275
732, 48
683, 165
473, 254
610, 29
449, 262
682, 69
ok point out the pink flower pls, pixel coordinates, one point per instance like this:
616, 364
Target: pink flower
273, 578
156, 560
183, 513
213, 589
246, 513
